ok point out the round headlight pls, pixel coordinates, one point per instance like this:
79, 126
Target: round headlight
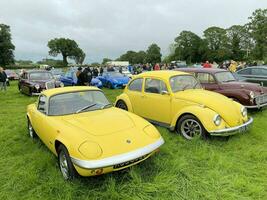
37, 86
252, 95
244, 111
217, 120
90, 150
61, 84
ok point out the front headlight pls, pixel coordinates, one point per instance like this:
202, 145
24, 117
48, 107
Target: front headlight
244, 111
90, 150
217, 120
252, 95
37, 87
61, 84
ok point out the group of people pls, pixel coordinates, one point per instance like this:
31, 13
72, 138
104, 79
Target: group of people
3, 79
84, 76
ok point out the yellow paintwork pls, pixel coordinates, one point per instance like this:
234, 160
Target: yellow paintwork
107, 128
168, 108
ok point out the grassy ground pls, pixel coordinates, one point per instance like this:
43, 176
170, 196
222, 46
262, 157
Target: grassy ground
213, 169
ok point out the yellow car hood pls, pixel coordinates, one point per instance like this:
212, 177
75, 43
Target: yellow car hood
222, 105
100, 122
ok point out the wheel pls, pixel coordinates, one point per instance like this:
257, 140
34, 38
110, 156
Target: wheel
122, 105
109, 85
65, 165
31, 131
190, 127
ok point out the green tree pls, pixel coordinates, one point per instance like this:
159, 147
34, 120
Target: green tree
217, 46
64, 46
105, 60
6, 46
78, 56
153, 54
188, 47
139, 57
258, 29
128, 56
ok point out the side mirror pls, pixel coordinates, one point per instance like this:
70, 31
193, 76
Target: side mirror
164, 92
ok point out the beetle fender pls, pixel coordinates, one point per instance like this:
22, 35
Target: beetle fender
124, 97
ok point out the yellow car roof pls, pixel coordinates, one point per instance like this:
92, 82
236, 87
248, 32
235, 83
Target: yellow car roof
61, 90
163, 74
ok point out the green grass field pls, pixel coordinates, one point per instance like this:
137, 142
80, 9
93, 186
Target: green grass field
198, 169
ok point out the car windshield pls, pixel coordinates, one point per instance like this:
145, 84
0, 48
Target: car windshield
77, 102
36, 76
183, 82
224, 77
115, 74
56, 71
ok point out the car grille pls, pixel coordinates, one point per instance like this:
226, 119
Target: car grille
261, 99
129, 162
50, 85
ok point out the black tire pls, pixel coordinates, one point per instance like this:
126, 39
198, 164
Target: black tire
109, 85
31, 131
190, 127
65, 165
122, 105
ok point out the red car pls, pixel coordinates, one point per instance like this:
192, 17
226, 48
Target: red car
222, 81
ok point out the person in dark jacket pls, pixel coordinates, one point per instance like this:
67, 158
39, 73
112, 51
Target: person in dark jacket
101, 71
3, 78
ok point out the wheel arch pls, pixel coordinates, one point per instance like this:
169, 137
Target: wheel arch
124, 97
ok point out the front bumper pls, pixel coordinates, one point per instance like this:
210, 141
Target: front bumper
257, 106
232, 130
118, 159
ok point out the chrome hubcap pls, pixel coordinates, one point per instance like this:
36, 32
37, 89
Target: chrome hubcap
191, 128
63, 165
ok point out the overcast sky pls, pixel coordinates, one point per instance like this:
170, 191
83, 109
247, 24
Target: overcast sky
108, 28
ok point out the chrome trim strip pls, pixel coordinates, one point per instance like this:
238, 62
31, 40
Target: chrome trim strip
121, 158
36, 94
232, 130
257, 106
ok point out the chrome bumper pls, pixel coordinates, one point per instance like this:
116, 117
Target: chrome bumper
257, 106
118, 159
233, 130
36, 93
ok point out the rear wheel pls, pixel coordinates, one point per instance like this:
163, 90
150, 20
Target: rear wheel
190, 127
109, 85
65, 165
122, 105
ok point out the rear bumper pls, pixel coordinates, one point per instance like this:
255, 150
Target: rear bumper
233, 130
118, 159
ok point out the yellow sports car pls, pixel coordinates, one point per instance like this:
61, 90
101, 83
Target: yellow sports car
88, 134
176, 100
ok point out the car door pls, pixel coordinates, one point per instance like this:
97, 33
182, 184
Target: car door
207, 81
245, 73
25, 83
258, 75
156, 103
135, 93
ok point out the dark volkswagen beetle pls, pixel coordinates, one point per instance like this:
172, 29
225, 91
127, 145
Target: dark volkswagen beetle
33, 82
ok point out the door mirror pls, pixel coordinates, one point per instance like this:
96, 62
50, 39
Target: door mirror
164, 92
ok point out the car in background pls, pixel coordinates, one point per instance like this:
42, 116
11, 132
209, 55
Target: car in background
255, 74
57, 73
11, 75
88, 135
114, 79
70, 79
33, 82
177, 101
250, 95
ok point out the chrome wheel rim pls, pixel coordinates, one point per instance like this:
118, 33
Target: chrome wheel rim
63, 164
191, 128
30, 130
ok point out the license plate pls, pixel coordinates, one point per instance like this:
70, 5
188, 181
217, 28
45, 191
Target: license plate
128, 162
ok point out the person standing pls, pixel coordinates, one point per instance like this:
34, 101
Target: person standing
3, 78
207, 65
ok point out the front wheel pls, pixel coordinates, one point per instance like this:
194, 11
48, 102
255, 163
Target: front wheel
120, 104
109, 85
66, 167
190, 127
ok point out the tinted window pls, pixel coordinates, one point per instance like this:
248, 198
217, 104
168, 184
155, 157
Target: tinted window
258, 71
245, 71
205, 78
154, 86
136, 85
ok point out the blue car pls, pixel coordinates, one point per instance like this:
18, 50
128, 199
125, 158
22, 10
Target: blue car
114, 80
70, 79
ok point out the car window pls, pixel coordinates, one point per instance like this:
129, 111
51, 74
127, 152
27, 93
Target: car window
245, 71
136, 85
155, 86
184, 82
205, 78
259, 71
42, 104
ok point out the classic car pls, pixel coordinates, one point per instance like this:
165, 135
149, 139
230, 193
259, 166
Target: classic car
87, 134
70, 79
250, 95
11, 75
33, 82
114, 79
256, 74
57, 73
176, 100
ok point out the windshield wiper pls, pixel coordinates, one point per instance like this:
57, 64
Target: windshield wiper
106, 106
85, 108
